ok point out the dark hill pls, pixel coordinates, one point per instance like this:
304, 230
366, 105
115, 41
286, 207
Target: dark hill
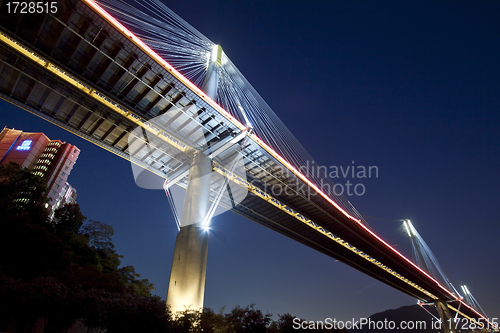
416, 319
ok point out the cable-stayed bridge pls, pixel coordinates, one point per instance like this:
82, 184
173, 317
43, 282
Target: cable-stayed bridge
82, 70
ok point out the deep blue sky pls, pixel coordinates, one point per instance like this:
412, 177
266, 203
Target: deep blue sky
409, 87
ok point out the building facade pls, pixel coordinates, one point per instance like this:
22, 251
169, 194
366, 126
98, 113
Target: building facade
52, 160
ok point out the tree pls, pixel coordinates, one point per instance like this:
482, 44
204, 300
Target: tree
99, 234
285, 323
248, 319
131, 280
67, 220
29, 250
212, 322
22, 194
58, 270
187, 321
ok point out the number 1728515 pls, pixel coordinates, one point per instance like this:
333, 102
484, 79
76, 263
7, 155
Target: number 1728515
39, 7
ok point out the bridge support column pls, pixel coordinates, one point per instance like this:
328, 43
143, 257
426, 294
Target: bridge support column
445, 315
186, 288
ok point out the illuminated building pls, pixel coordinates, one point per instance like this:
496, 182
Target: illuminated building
52, 160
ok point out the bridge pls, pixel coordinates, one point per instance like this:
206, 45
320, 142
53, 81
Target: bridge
82, 70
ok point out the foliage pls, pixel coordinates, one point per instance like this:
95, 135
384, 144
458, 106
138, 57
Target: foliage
99, 234
248, 319
22, 194
56, 272
65, 268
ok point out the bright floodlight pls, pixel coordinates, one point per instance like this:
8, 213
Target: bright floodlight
406, 227
409, 228
217, 55
214, 53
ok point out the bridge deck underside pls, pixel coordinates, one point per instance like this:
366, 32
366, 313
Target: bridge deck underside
91, 50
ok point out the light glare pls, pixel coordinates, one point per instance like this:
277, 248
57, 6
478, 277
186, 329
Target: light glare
407, 229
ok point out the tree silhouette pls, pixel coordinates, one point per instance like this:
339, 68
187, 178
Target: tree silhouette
56, 272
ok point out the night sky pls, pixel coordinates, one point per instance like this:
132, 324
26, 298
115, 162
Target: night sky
410, 87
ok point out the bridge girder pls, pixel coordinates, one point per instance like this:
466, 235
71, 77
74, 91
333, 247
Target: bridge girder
82, 43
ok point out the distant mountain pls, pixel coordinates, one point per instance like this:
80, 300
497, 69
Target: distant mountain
406, 319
